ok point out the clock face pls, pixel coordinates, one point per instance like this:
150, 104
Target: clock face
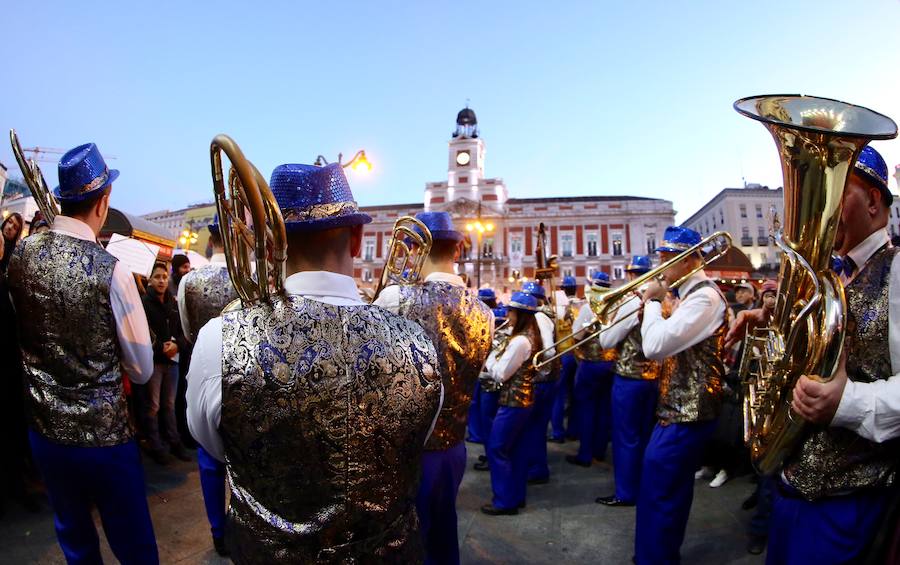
462, 158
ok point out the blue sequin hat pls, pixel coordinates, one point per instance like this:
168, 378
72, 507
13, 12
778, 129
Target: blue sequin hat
82, 174
600, 279
315, 198
678, 239
500, 312
871, 165
569, 281
440, 225
534, 289
486, 294
522, 301
639, 264
214, 226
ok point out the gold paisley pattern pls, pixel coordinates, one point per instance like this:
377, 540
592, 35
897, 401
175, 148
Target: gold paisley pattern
518, 391
325, 410
836, 460
459, 325
70, 351
207, 291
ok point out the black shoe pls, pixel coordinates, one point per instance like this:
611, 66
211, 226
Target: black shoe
612, 501
756, 545
481, 466
556, 440
181, 453
482, 458
576, 461
160, 457
219, 544
492, 510
750, 502
541, 481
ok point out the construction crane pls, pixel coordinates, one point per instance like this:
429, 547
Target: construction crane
37, 153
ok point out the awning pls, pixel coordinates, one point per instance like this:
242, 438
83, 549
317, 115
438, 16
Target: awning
125, 224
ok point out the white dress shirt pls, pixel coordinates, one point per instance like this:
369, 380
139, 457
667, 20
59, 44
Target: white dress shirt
217, 259
390, 295
695, 318
548, 330
127, 308
623, 322
517, 352
872, 410
204, 379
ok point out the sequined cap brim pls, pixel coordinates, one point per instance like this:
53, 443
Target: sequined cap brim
88, 190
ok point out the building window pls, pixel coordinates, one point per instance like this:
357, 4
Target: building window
567, 240
487, 248
617, 244
743, 208
651, 243
591, 271
745, 231
515, 245
366, 275
618, 272
368, 249
721, 217
759, 211
592, 245
567, 272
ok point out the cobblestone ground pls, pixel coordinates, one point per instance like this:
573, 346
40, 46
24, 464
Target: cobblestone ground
561, 524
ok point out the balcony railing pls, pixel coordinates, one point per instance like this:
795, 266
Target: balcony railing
762, 240
746, 241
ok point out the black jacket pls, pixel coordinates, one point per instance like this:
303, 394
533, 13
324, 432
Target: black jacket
165, 324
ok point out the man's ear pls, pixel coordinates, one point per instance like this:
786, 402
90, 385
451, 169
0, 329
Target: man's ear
356, 236
458, 253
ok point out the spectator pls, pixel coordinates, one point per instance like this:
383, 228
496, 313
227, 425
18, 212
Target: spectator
159, 392
12, 231
181, 266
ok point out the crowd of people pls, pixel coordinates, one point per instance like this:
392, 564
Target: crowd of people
339, 427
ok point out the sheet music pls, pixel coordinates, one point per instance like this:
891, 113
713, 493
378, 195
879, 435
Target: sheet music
138, 256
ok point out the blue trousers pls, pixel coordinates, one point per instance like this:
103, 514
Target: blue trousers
474, 425
835, 529
536, 432
110, 478
564, 394
593, 388
212, 483
488, 407
442, 473
508, 457
667, 490
634, 414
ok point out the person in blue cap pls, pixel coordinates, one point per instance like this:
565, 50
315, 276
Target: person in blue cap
461, 326
202, 295
85, 329
691, 340
320, 404
832, 493
475, 427
593, 386
488, 296
544, 389
560, 428
510, 365
634, 393
489, 388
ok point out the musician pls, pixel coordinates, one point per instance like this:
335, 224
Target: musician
202, 295
490, 389
689, 396
593, 387
84, 330
565, 319
319, 403
834, 489
510, 364
475, 425
460, 325
544, 388
634, 392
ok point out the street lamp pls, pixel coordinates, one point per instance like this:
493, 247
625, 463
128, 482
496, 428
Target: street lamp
480, 229
188, 237
359, 162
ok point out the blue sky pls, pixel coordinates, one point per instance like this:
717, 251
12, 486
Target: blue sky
573, 98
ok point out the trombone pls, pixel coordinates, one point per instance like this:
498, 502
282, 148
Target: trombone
410, 244
605, 306
44, 199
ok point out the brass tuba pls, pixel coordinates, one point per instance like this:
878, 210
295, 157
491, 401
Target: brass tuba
818, 141
607, 304
44, 199
409, 246
250, 223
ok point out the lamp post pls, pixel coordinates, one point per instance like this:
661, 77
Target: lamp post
188, 237
479, 229
359, 162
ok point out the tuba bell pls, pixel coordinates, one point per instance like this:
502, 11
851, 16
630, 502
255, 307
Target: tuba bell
44, 199
252, 227
409, 246
818, 142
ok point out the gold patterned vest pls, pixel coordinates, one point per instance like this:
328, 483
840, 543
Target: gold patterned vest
630, 360
325, 410
592, 351
518, 390
836, 460
564, 324
692, 391
207, 291
67, 333
459, 325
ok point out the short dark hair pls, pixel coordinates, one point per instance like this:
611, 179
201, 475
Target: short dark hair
159, 265
443, 249
316, 246
215, 239
82, 207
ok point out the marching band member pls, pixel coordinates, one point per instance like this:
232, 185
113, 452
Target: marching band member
593, 385
490, 389
475, 425
319, 403
834, 490
460, 325
634, 394
564, 323
510, 364
202, 295
689, 397
85, 329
